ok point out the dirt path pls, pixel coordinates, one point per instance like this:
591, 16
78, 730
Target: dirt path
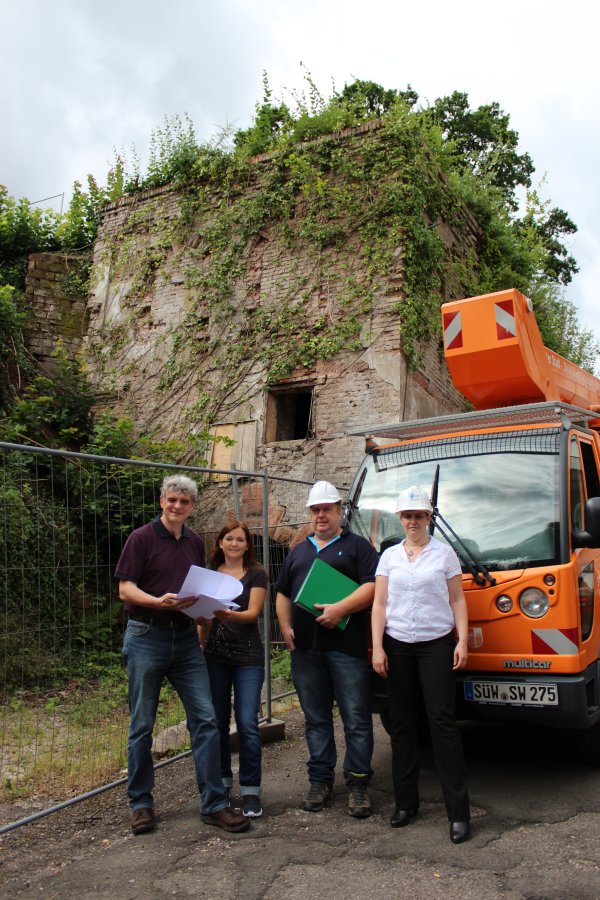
535, 835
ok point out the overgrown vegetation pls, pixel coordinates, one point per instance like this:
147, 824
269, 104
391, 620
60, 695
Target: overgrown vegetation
362, 211
384, 196
373, 203
72, 738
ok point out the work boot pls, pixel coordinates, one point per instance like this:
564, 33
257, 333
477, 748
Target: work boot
317, 797
226, 819
359, 804
142, 820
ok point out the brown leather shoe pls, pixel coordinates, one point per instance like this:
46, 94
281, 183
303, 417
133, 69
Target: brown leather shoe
226, 819
142, 820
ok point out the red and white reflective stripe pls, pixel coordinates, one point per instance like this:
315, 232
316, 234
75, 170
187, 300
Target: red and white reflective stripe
506, 326
554, 640
453, 337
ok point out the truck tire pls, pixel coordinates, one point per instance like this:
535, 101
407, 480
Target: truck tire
588, 745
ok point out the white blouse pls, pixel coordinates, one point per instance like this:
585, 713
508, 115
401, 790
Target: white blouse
418, 605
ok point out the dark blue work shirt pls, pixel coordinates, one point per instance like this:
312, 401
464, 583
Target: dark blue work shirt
351, 555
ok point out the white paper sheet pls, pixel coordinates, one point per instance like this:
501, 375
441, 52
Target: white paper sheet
213, 591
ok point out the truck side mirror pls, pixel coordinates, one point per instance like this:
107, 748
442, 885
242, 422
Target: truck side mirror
591, 536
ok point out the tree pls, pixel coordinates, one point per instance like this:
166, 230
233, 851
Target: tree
483, 143
24, 229
551, 227
370, 100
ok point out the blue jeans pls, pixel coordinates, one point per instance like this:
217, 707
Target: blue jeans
320, 677
247, 682
154, 653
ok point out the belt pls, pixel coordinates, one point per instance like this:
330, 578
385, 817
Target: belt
162, 621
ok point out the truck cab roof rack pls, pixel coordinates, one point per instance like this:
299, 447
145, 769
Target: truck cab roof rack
548, 412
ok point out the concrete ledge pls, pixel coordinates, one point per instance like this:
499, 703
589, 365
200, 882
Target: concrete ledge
269, 733
175, 737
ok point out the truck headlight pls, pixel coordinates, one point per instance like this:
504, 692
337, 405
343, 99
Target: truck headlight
534, 603
504, 603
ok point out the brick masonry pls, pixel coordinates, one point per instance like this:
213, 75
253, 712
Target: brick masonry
129, 323
57, 310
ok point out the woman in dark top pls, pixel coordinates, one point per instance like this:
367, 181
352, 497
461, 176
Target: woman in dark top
235, 659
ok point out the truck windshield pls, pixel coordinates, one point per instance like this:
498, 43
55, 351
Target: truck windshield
499, 492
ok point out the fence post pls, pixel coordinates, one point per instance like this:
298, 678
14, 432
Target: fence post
267, 606
236, 493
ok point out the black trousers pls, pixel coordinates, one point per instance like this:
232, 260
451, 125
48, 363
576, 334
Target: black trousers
415, 670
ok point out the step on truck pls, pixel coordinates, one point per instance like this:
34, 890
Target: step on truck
515, 486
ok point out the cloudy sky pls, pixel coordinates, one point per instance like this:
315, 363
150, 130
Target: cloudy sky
80, 78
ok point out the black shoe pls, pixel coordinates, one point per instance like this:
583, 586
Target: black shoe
402, 817
251, 806
459, 832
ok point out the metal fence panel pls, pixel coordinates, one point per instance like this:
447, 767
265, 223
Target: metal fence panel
63, 692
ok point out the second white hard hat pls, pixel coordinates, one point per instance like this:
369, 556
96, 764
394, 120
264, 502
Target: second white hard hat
413, 498
323, 492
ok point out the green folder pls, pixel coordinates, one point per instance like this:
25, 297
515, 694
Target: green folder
324, 584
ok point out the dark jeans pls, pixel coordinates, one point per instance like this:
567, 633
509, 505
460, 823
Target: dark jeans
320, 677
247, 682
152, 654
425, 668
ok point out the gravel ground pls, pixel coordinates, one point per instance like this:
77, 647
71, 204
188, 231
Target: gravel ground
536, 821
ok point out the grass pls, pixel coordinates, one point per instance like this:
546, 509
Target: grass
66, 742
70, 740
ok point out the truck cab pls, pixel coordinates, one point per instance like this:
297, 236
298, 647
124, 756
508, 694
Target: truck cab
516, 492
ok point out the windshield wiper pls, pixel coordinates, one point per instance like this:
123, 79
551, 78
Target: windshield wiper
468, 558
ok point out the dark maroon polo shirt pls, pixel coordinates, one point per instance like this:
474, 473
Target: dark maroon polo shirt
158, 563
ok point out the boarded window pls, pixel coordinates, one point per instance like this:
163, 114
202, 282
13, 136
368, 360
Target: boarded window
241, 454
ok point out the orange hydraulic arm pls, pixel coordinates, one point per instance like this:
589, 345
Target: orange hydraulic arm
496, 357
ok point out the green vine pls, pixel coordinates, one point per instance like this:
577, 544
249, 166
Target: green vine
372, 200
353, 224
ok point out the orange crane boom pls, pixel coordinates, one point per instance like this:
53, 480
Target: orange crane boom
496, 357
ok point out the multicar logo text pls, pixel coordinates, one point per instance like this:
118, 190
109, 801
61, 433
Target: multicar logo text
526, 664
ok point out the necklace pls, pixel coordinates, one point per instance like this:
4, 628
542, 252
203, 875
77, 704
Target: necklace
412, 551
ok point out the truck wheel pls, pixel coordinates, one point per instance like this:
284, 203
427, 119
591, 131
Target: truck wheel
588, 744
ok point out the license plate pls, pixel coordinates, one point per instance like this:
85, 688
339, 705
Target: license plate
511, 693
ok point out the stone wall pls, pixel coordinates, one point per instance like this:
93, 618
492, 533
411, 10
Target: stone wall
142, 293
56, 303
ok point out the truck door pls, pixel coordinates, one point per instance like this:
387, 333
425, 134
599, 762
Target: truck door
585, 483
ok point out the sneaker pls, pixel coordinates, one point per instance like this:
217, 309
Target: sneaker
226, 819
251, 806
142, 820
359, 804
318, 796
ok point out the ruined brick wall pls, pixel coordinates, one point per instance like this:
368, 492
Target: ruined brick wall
56, 304
141, 293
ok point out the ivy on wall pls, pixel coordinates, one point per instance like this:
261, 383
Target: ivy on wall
356, 202
356, 214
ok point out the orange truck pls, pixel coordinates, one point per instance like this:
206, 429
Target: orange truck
515, 487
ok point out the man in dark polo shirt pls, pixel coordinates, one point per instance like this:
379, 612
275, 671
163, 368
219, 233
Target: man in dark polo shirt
329, 663
162, 642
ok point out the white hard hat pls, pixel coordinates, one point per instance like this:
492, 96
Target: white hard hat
323, 492
413, 498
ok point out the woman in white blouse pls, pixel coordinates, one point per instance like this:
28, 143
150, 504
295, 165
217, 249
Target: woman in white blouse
420, 625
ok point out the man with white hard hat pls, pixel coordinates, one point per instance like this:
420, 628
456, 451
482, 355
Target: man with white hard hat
329, 663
